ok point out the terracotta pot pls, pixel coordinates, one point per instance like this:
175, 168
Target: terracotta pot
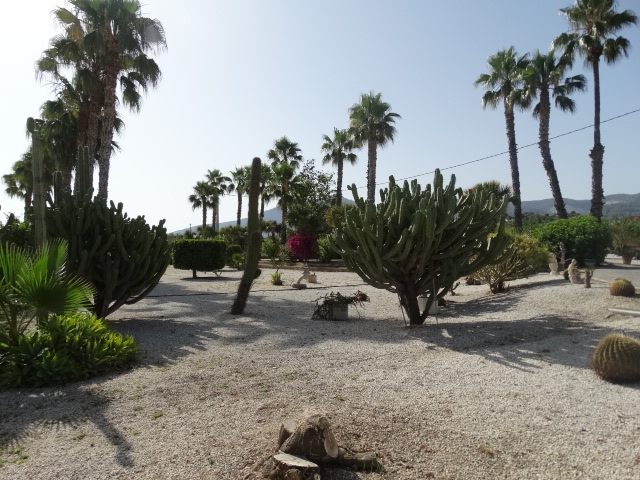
626, 259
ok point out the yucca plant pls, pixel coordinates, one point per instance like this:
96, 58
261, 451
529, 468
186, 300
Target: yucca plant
621, 287
35, 284
617, 358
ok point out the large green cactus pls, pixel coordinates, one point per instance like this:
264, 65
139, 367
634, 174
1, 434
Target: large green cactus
420, 241
123, 257
37, 157
254, 234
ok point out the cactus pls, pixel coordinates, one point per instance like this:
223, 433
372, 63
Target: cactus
415, 242
254, 240
123, 257
617, 358
37, 156
622, 288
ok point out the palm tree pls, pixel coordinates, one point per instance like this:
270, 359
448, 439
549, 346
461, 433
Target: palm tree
113, 39
545, 78
338, 150
502, 83
372, 122
19, 183
267, 187
219, 185
285, 157
594, 25
200, 199
241, 178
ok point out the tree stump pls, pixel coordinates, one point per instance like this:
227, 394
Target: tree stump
313, 439
290, 467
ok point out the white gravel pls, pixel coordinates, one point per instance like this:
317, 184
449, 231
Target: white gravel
500, 388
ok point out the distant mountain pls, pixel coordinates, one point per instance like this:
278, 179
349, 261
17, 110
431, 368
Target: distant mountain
620, 205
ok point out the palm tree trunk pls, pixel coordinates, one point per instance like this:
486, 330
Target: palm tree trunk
261, 206
513, 161
204, 214
545, 151
371, 164
283, 233
597, 153
88, 136
339, 184
108, 118
239, 214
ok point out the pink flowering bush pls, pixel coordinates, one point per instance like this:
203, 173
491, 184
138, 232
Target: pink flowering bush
303, 246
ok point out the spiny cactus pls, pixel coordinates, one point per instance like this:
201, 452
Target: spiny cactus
617, 358
254, 240
622, 288
415, 242
124, 258
37, 156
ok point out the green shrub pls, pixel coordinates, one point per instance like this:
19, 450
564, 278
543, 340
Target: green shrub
234, 235
231, 250
273, 249
199, 255
325, 252
65, 348
625, 236
17, 233
583, 237
527, 257
238, 261
617, 358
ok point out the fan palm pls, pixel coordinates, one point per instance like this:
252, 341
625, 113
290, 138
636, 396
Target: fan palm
200, 199
219, 185
594, 27
19, 183
338, 150
241, 178
502, 82
32, 286
545, 78
285, 157
371, 121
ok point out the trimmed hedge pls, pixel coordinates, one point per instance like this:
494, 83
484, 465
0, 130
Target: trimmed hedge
199, 255
583, 237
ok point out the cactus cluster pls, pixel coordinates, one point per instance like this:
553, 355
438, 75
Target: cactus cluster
617, 358
124, 258
420, 241
622, 288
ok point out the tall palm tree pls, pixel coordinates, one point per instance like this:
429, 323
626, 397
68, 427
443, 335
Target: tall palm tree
545, 78
200, 199
371, 121
19, 183
267, 187
285, 157
502, 82
594, 27
113, 41
219, 185
338, 150
241, 177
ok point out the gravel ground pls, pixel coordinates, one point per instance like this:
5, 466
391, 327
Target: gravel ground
500, 388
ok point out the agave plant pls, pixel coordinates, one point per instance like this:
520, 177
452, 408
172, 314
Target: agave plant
35, 284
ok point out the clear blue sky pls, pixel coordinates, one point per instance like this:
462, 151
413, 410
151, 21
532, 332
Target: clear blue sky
239, 74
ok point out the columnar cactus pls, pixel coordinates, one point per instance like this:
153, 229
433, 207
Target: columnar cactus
254, 240
123, 257
38, 189
420, 241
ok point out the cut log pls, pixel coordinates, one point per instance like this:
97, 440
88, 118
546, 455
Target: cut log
363, 461
313, 439
286, 430
283, 465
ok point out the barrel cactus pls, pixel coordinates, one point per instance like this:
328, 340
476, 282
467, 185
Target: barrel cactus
617, 358
622, 288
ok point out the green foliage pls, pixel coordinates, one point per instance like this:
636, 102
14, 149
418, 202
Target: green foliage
206, 232
416, 241
526, 257
617, 358
199, 255
303, 246
65, 348
232, 249
238, 261
124, 258
311, 197
325, 252
33, 284
234, 235
17, 233
622, 288
625, 235
583, 237
273, 249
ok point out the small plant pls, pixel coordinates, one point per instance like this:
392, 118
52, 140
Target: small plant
237, 261
622, 288
325, 252
324, 310
617, 358
156, 415
276, 278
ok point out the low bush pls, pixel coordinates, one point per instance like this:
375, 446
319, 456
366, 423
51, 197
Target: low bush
17, 233
199, 255
527, 257
65, 348
232, 249
583, 237
238, 261
325, 252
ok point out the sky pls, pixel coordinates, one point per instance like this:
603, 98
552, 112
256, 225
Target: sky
237, 75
